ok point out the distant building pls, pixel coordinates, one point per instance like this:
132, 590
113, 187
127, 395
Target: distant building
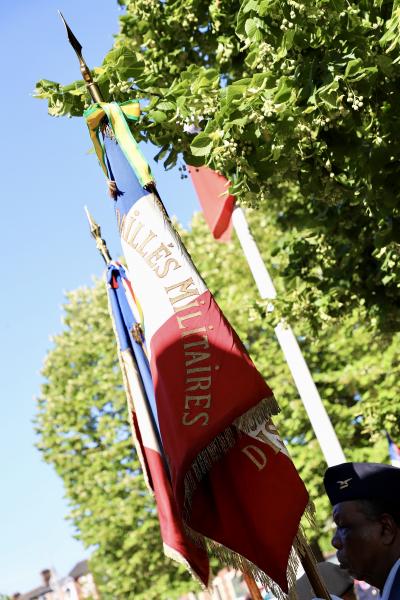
227, 585
84, 582
77, 585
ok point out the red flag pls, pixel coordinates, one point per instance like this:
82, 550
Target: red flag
216, 202
257, 499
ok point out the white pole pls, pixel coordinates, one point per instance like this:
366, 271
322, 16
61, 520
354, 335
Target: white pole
306, 387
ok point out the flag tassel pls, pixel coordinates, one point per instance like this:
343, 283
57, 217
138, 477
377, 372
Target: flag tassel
112, 188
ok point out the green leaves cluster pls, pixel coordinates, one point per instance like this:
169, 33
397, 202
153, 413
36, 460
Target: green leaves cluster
295, 101
83, 429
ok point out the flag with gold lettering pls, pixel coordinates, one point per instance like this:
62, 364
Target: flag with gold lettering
126, 315
236, 489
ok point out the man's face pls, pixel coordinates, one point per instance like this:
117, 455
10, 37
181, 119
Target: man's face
358, 541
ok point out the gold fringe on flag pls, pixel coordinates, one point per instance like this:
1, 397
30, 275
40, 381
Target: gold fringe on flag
177, 557
263, 411
237, 561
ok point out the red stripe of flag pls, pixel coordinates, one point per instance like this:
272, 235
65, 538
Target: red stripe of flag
172, 531
216, 202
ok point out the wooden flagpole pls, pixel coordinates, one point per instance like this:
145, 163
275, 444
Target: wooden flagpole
309, 566
253, 587
310, 569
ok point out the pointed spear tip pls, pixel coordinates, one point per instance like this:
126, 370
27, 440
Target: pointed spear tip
71, 38
92, 87
92, 222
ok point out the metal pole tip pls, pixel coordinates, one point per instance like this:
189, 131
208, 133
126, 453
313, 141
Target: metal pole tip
92, 222
71, 38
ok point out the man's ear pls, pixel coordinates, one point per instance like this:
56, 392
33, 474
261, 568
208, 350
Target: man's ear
389, 528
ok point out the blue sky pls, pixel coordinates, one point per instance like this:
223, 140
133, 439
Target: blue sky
48, 176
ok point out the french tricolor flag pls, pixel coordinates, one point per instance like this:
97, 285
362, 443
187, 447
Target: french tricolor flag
202, 375
126, 315
205, 429
394, 452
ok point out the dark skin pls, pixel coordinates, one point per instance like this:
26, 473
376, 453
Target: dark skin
367, 545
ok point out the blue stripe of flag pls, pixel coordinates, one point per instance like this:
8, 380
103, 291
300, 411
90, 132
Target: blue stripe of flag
120, 171
124, 321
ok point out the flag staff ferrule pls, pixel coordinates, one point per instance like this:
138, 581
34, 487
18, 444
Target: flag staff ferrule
92, 87
101, 245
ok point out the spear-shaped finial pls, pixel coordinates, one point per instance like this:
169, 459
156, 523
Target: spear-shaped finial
96, 233
87, 76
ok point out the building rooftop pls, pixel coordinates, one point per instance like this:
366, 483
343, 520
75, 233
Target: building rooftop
81, 568
36, 593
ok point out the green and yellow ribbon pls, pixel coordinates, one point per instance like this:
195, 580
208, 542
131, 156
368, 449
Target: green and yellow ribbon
117, 115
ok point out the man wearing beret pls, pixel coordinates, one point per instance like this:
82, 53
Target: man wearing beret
366, 509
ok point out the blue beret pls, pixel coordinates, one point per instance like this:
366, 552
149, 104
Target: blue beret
362, 481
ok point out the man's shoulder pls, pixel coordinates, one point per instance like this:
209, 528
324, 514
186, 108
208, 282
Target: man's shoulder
365, 591
394, 593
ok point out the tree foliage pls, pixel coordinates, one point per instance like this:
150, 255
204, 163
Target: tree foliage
84, 433
295, 102
83, 426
